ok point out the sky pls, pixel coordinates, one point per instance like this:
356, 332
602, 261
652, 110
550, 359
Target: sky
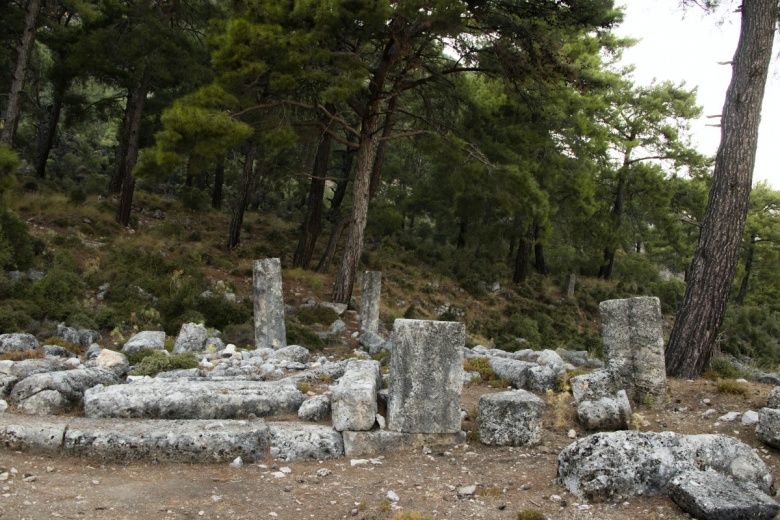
686, 46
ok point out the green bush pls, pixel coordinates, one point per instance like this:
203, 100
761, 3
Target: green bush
15, 315
303, 336
56, 294
17, 247
670, 292
220, 312
158, 361
139, 355
241, 334
316, 315
752, 331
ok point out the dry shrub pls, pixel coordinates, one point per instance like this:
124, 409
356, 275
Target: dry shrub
729, 386
21, 355
562, 409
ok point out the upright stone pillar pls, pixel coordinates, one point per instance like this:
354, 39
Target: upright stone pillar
369, 301
426, 376
571, 285
269, 304
632, 335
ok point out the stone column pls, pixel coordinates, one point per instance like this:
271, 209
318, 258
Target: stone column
369, 301
426, 376
632, 335
571, 285
269, 304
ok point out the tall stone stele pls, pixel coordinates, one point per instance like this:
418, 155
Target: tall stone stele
633, 339
426, 376
369, 301
269, 304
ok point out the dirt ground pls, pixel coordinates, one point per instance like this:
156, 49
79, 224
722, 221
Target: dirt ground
507, 479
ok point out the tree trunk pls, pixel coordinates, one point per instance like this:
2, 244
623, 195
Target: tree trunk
23, 51
743, 286
133, 133
605, 271
48, 128
540, 264
219, 182
463, 226
693, 338
523, 259
341, 186
381, 152
312, 222
248, 183
333, 242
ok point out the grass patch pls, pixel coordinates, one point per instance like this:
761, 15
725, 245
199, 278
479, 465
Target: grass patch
136, 357
299, 335
727, 370
384, 505
304, 387
412, 515
499, 382
530, 514
481, 365
490, 492
73, 348
21, 355
316, 315
562, 409
729, 386
301, 276
159, 362
563, 382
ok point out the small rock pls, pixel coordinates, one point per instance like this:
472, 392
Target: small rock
237, 463
323, 472
572, 434
750, 418
95, 482
729, 417
278, 474
466, 491
392, 496
30, 478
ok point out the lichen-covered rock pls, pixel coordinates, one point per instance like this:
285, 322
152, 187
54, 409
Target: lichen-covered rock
426, 376
513, 370
153, 339
768, 428
70, 384
354, 405
28, 367
368, 318
113, 361
611, 466
510, 418
177, 399
192, 338
710, 495
773, 401
46, 402
83, 337
605, 413
315, 409
294, 442
295, 353
17, 342
270, 330
592, 386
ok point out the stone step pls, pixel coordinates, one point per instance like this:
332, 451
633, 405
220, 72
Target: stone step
176, 399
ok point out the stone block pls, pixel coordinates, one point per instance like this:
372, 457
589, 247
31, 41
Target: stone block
515, 371
354, 405
31, 433
768, 428
17, 341
605, 413
710, 495
70, 384
113, 361
181, 399
153, 339
295, 442
426, 376
192, 338
315, 409
368, 318
510, 418
773, 401
268, 304
632, 335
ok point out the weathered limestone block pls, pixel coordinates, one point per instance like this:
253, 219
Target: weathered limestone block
768, 428
154, 339
382, 441
56, 351
315, 409
611, 466
177, 399
510, 418
70, 384
773, 401
294, 353
17, 341
593, 386
541, 378
181, 441
293, 442
28, 367
46, 402
113, 361
605, 413
426, 376
269, 304
31, 433
632, 335
83, 337
192, 338
710, 495
369, 302
353, 405
515, 371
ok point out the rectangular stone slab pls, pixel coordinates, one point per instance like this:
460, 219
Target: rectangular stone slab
426, 376
181, 441
270, 331
163, 399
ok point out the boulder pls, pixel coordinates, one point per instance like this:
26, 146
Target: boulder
618, 465
82, 337
294, 442
181, 399
605, 413
28, 367
70, 384
315, 409
371, 341
17, 342
592, 386
768, 428
192, 338
510, 418
295, 353
773, 401
45, 402
710, 495
426, 376
515, 371
354, 404
338, 308
56, 351
113, 361
153, 339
